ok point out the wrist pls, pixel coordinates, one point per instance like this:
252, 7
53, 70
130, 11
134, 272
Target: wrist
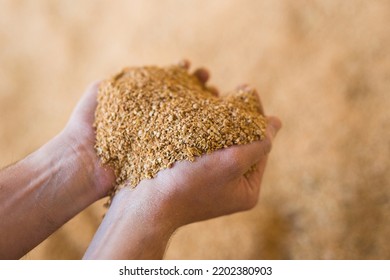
70, 179
148, 206
39, 194
136, 226
93, 179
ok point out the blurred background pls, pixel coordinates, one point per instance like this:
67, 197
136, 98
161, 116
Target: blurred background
323, 67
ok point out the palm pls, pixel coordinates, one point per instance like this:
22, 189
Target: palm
213, 185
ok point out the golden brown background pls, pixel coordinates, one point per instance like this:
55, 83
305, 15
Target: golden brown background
322, 66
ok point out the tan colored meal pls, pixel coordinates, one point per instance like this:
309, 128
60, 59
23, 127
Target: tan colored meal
148, 118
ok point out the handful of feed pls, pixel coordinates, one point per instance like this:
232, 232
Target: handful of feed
148, 118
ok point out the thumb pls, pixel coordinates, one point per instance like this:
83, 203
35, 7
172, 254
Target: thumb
85, 109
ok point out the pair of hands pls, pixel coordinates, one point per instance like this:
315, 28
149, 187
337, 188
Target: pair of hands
47, 188
212, 186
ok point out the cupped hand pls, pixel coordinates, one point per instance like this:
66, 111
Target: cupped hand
216, 184
79, 133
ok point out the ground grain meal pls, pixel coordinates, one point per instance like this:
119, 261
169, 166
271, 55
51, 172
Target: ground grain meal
147, 118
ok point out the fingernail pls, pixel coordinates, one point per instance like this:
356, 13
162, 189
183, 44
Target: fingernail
244, 87
184, 63
213, 90
202, 74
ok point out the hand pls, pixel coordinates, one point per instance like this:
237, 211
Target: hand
80, 135
52, 184
140, 221
214, 185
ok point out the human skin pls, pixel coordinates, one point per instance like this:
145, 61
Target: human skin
43, 191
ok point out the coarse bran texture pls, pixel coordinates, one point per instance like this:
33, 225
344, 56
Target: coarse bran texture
147, 118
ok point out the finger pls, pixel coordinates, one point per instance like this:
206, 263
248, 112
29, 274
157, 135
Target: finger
214, 91
88, 102
273, 126
185, 63
243, 87
202, 74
